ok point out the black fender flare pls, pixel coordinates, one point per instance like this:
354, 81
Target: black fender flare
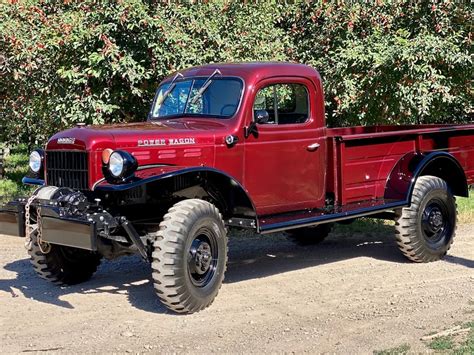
402, 179
215, 175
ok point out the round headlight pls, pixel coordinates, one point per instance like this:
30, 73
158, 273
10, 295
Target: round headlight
116, 164
36, 161
119, 166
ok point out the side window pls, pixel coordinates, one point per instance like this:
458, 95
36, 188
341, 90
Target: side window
284, 103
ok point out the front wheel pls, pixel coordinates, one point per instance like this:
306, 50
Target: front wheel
426, 229
189, 256
62, 265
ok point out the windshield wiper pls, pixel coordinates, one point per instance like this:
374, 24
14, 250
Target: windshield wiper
205, 86
167, 92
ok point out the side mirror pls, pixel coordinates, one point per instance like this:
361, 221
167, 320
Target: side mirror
261, 116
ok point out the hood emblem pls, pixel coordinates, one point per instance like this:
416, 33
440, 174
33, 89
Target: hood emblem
66, 140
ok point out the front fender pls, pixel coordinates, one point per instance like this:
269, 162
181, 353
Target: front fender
236, 193
142, 176
146, 175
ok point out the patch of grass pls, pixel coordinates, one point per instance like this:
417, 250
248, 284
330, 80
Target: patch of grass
466, 209
467, 347
399, 350
442, 343
365, 225
457, 344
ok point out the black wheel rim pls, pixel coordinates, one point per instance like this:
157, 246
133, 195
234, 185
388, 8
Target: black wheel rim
436, 223
202, 258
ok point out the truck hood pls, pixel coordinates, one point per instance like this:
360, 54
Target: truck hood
178, 142
142, 134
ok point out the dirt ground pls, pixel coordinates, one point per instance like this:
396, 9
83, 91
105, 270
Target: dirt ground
351, 294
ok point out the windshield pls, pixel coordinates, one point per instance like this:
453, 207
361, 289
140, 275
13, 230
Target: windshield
220, 99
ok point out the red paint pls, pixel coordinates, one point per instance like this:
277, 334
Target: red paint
276, 168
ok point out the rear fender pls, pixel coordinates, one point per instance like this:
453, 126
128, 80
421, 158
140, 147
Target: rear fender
402, 179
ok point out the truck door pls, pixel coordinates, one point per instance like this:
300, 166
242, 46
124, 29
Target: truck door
285, 158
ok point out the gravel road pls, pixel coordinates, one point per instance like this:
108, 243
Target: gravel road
351, 294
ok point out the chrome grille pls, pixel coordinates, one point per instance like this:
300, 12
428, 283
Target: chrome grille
67, 169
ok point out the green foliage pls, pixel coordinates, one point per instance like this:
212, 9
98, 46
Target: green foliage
409, 63
100, 62
16, 167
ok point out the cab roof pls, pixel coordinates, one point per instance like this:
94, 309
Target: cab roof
254, 71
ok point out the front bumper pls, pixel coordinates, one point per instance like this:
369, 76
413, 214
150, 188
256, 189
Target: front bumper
55, 229
68, 219
70, 232
12, 219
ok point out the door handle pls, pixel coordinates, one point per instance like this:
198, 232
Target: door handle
313, 147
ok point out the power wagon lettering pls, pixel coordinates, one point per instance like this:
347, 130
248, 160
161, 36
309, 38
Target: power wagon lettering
170, 141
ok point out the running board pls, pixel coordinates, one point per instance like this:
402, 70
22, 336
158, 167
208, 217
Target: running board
281, 222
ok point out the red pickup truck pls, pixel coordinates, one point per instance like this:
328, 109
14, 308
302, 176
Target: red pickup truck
232, 146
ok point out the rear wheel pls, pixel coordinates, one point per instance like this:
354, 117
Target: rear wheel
310, 235
426, 229
189, 256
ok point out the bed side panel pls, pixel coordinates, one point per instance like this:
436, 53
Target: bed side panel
367, 163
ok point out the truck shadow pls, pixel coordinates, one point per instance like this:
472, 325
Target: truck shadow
250, 257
